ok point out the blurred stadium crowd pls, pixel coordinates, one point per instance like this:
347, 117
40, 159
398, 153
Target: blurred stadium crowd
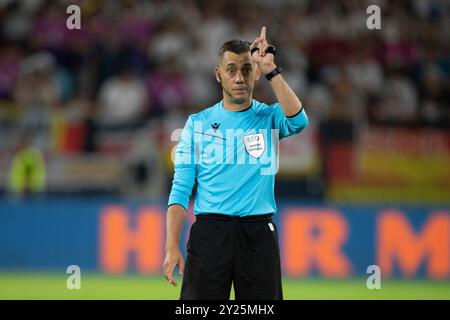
92, 111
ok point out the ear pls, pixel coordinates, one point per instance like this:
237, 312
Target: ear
217, 74
257, 73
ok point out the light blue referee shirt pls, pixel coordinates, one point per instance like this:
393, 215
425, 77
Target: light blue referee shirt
233, 157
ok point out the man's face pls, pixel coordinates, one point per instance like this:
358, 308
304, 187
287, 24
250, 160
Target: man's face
237, 74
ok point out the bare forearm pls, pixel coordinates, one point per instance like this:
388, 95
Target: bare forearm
288, 100
264, 59
175, 220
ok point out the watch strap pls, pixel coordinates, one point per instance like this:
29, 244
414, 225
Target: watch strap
273, 73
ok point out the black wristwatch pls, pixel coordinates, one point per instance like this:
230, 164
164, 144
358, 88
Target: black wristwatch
273, 73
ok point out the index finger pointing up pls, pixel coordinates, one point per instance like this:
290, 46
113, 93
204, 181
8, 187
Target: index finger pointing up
263, 32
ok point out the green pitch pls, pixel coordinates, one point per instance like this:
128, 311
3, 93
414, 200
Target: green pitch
93, 286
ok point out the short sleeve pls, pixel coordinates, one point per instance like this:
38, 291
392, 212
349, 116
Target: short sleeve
289, 126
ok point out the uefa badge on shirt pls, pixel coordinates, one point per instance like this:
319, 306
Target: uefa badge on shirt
254, 144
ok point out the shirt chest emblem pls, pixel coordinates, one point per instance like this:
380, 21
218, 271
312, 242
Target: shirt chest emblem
254, 144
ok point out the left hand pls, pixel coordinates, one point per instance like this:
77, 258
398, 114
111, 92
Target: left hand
264, 61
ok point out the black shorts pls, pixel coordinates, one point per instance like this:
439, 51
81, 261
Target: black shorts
224, 250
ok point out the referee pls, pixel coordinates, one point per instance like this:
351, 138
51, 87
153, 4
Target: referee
233, 240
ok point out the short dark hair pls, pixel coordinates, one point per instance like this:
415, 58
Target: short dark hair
236, 46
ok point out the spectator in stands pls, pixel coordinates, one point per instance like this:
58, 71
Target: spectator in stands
37, 96
168, 88
122, 100
27, 172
